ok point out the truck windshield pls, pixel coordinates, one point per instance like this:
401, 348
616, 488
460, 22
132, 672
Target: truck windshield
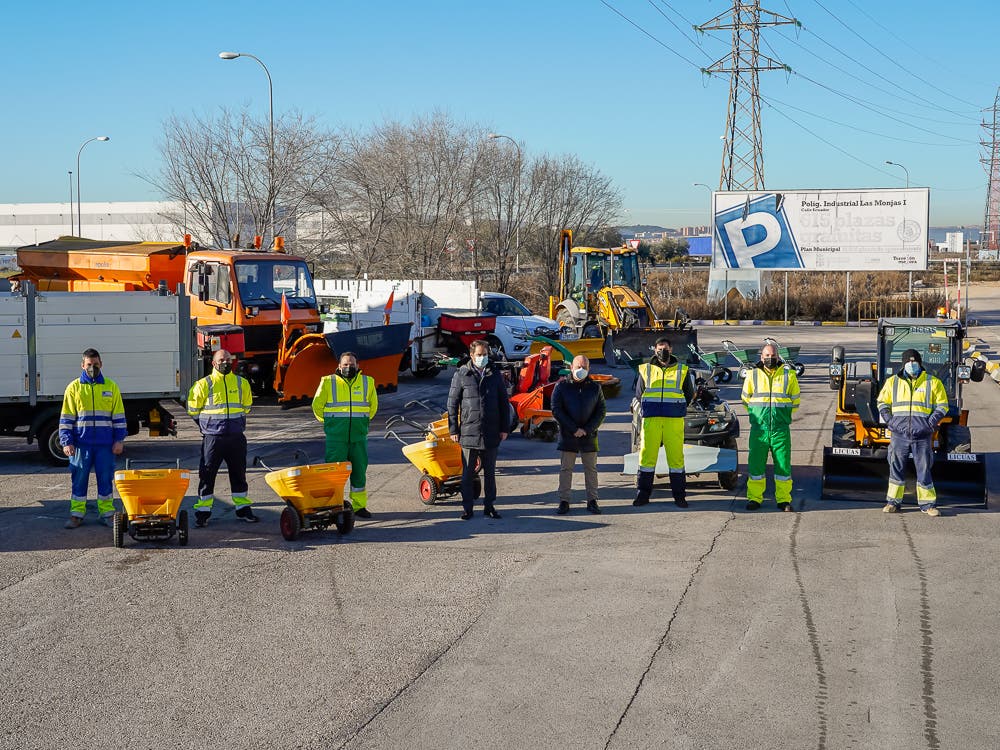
262, 282
625, 273
934, 345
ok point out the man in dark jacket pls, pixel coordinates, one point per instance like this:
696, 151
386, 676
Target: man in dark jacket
578, 406
478, 420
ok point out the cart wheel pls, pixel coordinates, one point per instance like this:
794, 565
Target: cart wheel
725, 375
118, 525
290, 523
345, 520
428, 489
799, 369
727, 479
477, 487
182, 528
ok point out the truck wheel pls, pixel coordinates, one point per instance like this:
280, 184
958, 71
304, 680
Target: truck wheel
426, 372
345, 522
591, 331
49, 445
799, 369
118, 525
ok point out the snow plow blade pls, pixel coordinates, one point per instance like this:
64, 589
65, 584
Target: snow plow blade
862, 474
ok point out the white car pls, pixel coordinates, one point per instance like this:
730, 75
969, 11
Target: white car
515, 325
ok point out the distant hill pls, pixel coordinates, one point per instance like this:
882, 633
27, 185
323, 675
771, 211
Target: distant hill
629, 231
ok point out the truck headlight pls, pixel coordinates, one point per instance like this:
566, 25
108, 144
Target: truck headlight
836, 370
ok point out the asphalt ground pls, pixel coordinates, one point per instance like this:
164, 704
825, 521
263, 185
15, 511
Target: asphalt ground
837, 626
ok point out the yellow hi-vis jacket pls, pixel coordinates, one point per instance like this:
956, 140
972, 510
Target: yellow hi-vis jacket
771, 398
345, 407
913, 407
220, 403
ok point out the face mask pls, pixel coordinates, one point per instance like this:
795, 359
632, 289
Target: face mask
663, 354
769, 362
480, 360
580, 373
92, 371
223, 368
912, 369
349, 372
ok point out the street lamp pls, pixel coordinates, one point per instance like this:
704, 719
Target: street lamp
517, 227
270, 97
79, 203
909, 301
904, 169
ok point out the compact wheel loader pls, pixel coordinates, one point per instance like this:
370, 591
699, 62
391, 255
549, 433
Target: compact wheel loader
855, 465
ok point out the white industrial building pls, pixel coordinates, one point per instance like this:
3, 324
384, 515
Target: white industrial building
30, 223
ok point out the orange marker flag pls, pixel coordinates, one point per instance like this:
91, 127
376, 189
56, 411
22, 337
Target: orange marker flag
388, 308
286, 314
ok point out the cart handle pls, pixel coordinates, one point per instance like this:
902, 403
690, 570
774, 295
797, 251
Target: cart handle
129, 462
298, 457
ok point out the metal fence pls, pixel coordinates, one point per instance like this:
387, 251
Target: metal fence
873, 309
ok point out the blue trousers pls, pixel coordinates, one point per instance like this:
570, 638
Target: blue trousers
900, 448
102, 461
488, 458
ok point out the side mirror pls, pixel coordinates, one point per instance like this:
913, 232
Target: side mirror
837, 355
978, 371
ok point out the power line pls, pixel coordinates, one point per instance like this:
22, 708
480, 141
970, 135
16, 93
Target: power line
665, 46
853, 75
679, 30
894, 62
893, 137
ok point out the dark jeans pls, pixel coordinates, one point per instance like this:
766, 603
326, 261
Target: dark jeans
214, 450
488, 457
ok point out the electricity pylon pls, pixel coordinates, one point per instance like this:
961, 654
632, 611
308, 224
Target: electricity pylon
991, 160
742, 154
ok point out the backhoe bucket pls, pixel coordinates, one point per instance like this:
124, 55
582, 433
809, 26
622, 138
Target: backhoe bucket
863, 474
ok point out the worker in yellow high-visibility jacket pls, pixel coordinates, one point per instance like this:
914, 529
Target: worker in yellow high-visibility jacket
771, 396
664, 389
345, 403
912, 403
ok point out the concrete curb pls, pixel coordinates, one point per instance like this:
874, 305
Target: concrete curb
852, 324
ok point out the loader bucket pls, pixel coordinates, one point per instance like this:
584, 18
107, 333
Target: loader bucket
863, 474
591, 348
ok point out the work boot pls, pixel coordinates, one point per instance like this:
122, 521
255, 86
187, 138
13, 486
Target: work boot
246, 514
644, 488
753, 505
491, 512
931, 511
201, 518
563, 508
106, 520
890, 508
593, 507
678, 488
363, 513
785, 507
73, 522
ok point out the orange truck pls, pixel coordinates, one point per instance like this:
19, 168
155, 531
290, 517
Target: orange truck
235, 295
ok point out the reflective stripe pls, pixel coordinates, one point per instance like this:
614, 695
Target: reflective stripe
777, 398
911, 406
661, 388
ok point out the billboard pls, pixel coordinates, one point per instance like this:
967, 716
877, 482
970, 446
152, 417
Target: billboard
821, 230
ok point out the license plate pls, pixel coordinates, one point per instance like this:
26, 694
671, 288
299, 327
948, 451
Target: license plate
846, 451
970, 457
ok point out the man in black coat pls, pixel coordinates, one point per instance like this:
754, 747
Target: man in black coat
578, 406
478, 420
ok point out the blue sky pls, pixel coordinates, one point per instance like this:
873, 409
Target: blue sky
559, 76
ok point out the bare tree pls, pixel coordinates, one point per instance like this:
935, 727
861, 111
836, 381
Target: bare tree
217, 171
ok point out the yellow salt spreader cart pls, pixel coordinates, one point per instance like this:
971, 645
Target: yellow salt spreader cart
152, 500
314, 496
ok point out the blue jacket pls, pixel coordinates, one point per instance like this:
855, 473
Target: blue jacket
93, 415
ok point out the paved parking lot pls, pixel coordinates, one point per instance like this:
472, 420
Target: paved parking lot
836, 626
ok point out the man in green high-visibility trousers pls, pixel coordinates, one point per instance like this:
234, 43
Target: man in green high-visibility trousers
771, 396
345, 403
